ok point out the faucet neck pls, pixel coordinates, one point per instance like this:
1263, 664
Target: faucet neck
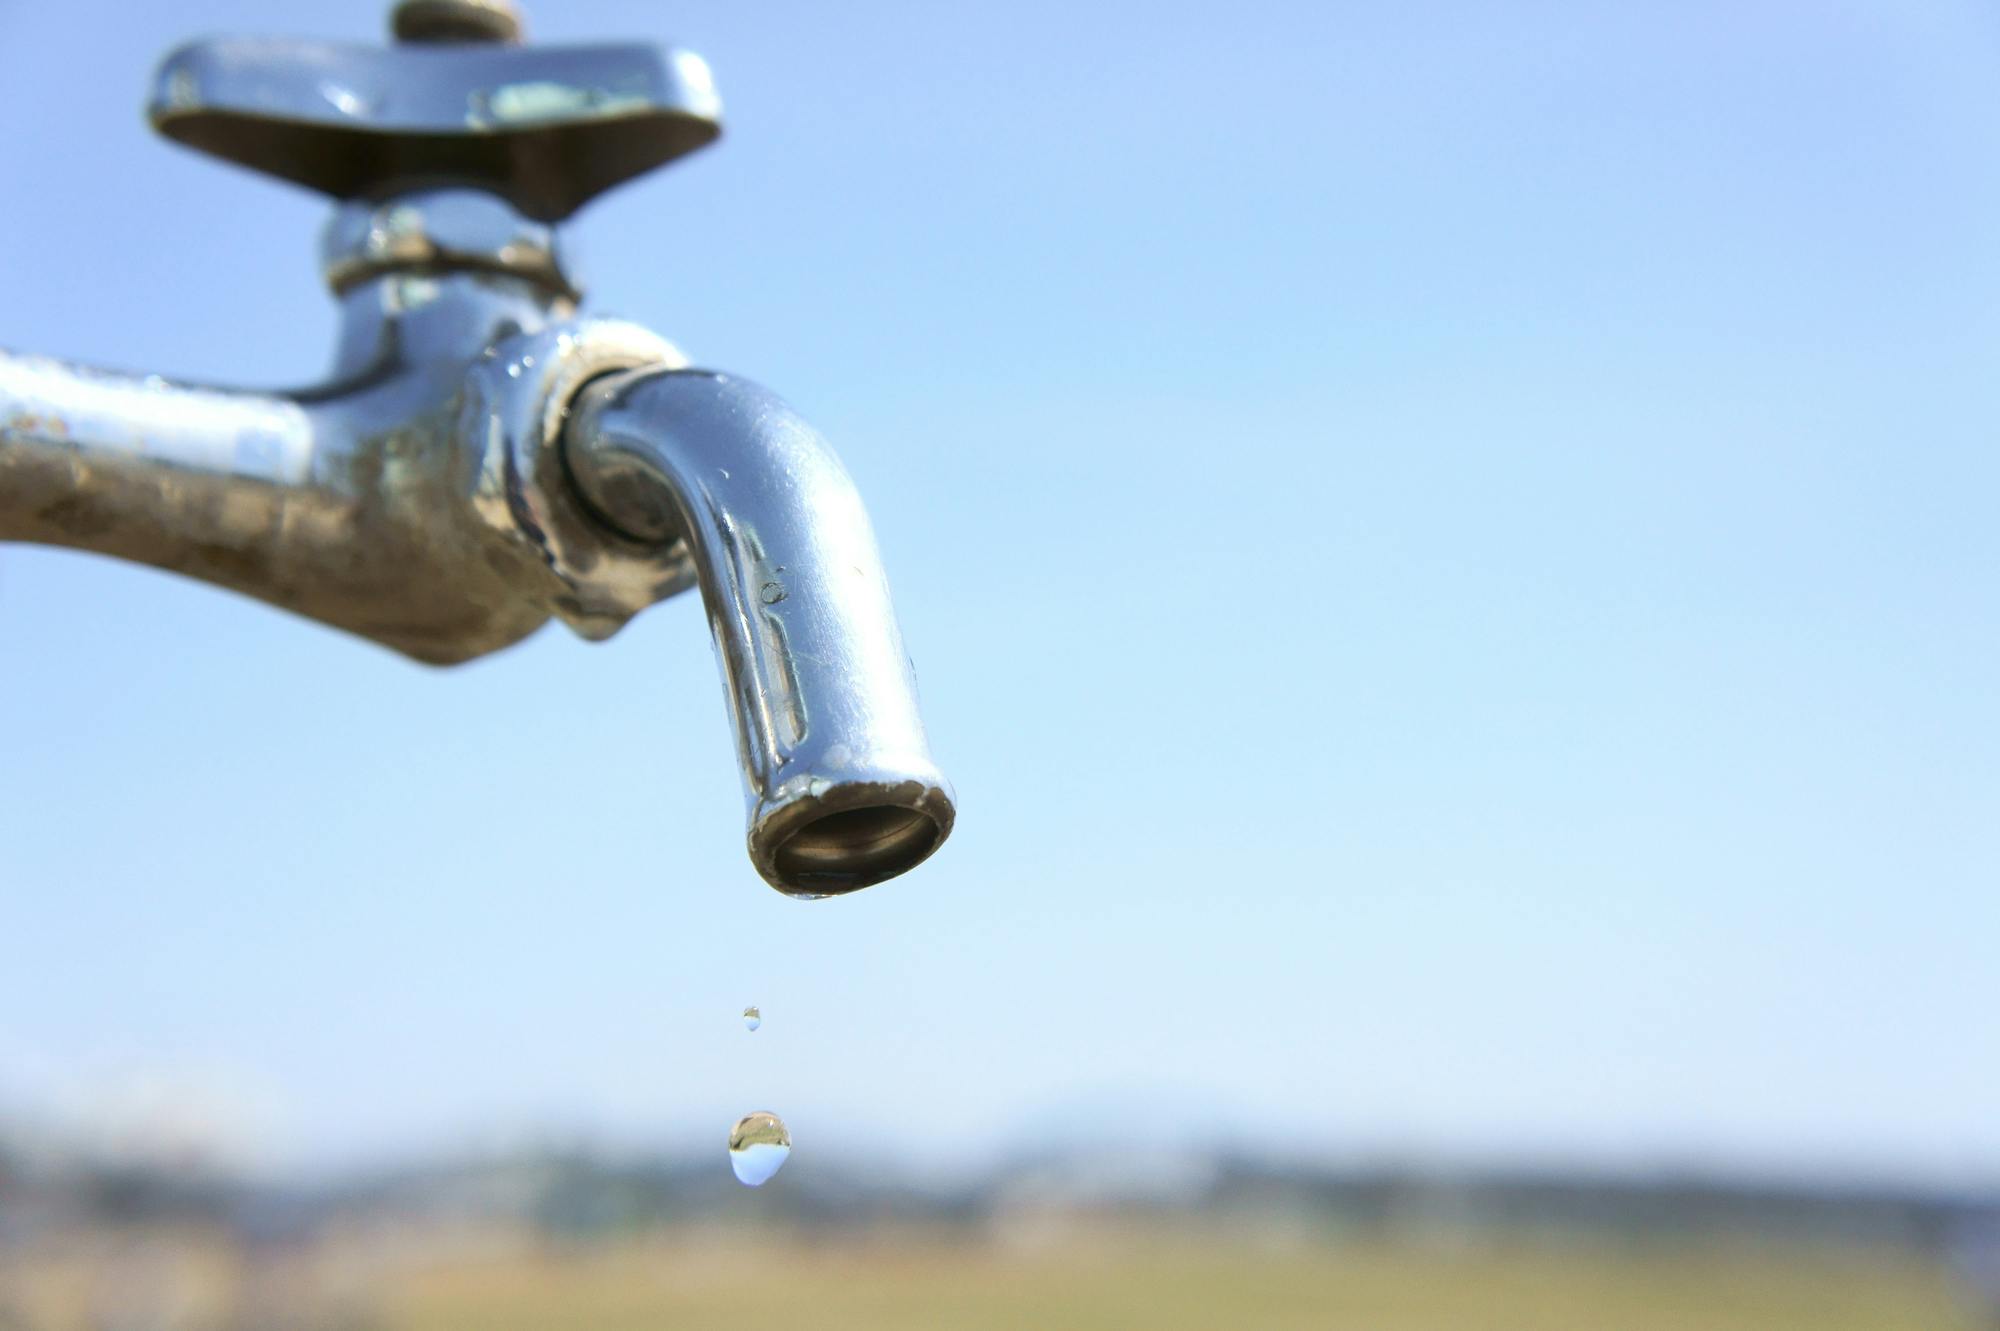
433, 326
433, 231
433, 278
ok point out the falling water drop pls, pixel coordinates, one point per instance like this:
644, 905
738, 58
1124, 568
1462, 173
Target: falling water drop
752, 1018
758, 1147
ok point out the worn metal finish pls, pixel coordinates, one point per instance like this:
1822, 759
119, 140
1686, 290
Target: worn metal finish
842, 789
484, 458
347, 503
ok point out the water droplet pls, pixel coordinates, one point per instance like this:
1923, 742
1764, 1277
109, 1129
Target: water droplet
758, 1147
752, 1018
772, 593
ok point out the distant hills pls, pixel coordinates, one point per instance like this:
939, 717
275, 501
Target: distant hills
583, 1195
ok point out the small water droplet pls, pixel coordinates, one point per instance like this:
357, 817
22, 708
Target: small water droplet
772, 593
752, 1018
758, 1147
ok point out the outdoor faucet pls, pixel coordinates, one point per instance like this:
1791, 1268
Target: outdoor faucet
484, 457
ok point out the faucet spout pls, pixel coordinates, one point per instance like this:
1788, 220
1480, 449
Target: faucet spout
841, 787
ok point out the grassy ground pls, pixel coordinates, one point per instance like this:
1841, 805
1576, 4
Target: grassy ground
1164, 1287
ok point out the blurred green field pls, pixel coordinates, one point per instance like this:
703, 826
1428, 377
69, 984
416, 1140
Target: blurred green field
1168, 1286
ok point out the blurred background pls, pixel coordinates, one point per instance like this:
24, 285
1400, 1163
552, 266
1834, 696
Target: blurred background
1450, 551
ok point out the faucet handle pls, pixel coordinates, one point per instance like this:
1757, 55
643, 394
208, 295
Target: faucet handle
455, 102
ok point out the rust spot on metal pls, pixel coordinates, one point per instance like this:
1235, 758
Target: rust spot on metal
41, 427
77, 518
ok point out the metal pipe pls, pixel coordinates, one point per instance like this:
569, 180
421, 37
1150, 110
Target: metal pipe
345, 503
841, 787
196, 480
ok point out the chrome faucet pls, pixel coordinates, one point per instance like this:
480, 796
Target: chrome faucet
484, 457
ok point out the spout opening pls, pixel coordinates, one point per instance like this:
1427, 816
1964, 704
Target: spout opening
849, 849
851, 835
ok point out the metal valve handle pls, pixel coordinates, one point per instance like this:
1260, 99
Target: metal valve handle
455, 102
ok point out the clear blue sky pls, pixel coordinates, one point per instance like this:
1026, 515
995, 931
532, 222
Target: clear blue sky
1451, 551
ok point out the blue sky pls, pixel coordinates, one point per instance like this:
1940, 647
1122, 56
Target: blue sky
1450, 550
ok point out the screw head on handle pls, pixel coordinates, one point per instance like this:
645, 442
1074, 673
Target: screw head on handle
434, 21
